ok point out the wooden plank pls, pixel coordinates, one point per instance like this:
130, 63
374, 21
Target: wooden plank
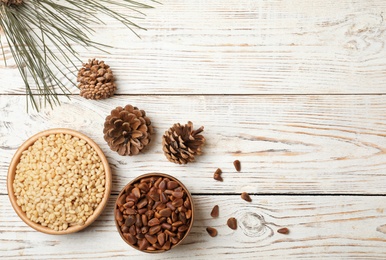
320, 227
286, 144
243, 46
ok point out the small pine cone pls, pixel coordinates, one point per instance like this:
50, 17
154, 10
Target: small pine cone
12, 2
181, 143
127, 130
96, 80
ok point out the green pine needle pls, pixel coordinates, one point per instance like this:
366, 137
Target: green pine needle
41, 33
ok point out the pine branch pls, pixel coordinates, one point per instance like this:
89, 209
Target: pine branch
41, 34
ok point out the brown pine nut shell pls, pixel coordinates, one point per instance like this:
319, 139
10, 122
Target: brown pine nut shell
148, 175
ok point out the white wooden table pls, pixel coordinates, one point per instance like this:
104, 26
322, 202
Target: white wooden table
296, 90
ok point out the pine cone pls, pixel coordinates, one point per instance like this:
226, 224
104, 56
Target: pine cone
12, 2
181, 143
96, 80
127, 130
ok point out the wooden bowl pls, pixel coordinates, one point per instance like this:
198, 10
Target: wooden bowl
12, 171
155, 175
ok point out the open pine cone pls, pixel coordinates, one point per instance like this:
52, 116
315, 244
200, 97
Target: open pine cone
12, 2
181, 143
127, 130
96, 80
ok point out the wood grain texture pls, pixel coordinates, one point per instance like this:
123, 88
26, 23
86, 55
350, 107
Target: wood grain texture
295, 90
243, 47
286, 144
320, 227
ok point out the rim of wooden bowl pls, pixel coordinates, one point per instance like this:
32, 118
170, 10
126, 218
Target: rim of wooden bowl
155, 174
12, 171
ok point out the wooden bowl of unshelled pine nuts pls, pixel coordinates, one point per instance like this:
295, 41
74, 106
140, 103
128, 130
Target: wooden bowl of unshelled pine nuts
154, 213
59, 181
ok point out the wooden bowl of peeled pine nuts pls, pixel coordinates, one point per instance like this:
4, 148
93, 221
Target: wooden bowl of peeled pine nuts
59, 181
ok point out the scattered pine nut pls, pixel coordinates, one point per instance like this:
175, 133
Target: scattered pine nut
215, 212
237, 165
217, 175
245, 196
284, 231
232, 223
211, 231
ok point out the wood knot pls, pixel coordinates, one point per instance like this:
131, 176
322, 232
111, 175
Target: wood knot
253, 224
